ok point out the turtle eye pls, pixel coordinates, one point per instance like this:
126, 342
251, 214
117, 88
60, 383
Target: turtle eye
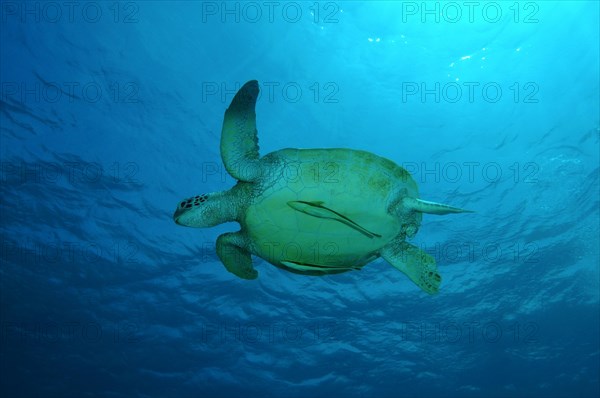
410, 230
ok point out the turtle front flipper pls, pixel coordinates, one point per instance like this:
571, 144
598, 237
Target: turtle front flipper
419, 266
239, 140
231, 249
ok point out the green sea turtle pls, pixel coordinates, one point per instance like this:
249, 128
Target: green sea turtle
311, 211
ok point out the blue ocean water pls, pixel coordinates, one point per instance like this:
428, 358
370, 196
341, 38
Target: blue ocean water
111, 114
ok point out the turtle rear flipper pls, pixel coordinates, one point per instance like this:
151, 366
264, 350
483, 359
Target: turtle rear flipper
419, 266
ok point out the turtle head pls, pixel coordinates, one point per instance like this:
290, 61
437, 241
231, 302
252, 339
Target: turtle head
204, 210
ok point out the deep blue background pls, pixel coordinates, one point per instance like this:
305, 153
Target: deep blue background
111, 113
